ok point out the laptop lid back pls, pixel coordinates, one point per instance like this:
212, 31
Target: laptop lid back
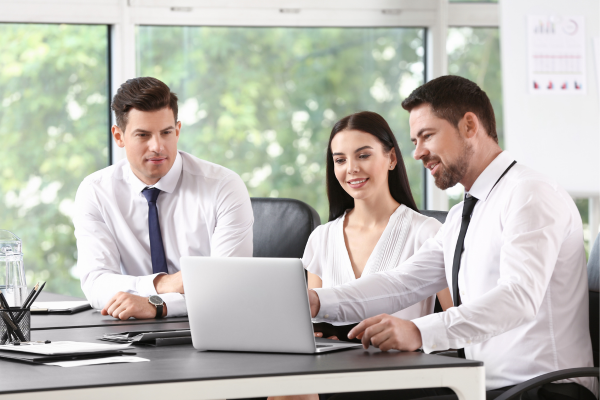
248, 304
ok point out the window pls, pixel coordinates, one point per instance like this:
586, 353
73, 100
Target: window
54, 114
474, 53
263, 101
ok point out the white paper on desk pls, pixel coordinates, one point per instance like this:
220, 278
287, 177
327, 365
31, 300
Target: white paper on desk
58, 305
96, 361
55, 348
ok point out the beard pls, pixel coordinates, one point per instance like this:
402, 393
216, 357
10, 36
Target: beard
449, 175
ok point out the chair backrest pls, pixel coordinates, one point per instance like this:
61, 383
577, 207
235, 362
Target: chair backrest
439, 215
593, 270
282, 226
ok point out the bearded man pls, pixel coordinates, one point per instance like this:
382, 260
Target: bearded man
512, 252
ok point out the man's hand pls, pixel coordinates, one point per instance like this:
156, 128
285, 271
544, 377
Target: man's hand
387, 333
126, 305
315, 303
168, 283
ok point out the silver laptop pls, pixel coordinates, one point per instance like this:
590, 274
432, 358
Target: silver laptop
251, 304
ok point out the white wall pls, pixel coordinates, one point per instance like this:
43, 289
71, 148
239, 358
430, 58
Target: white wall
555, 134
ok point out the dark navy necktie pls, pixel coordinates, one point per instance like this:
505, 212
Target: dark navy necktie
157, 251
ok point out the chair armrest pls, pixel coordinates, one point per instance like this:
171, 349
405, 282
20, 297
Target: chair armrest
515, 392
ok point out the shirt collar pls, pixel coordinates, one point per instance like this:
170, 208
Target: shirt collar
487, 179
166, 184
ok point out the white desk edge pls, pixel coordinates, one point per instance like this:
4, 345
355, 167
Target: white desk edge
467, 382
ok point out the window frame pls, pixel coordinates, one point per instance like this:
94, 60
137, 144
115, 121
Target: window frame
122, 16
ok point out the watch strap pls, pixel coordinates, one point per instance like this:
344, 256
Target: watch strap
159, 311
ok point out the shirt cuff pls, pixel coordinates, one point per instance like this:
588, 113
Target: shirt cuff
145, 285
329, 305
175, 304
433, 332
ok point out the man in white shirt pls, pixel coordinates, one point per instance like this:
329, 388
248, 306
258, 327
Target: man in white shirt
519, 278
135, 219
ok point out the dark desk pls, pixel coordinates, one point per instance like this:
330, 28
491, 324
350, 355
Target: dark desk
181, 372
89, 318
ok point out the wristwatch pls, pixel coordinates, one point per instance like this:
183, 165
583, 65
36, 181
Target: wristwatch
157, 302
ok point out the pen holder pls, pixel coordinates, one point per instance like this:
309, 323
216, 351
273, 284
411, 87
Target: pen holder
15, 325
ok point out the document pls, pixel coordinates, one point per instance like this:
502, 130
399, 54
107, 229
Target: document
57, 348
96, 361
145, 336
60, 306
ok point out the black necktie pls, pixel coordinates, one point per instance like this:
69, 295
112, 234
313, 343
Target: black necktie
460, 244
157, 251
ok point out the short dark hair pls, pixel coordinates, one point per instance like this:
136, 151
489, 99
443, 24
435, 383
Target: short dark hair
451, 97
143, 94
373, 123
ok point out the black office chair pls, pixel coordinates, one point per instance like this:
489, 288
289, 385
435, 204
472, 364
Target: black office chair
281, 229
282, 226
593, 283
439, 215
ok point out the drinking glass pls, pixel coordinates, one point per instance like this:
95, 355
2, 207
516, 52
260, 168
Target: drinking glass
12, 274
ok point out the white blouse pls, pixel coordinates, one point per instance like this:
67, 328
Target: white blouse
327, 257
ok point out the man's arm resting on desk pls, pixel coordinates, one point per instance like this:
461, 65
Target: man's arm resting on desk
102, 280
126, 305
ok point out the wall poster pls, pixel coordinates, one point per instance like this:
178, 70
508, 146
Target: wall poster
556, 54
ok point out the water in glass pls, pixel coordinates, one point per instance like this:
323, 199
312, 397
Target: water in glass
12, 274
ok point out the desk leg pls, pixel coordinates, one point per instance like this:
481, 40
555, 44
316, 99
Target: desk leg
468, 384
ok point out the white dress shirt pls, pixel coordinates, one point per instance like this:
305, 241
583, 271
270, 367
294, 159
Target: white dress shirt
204, 210
327, 257
523, 281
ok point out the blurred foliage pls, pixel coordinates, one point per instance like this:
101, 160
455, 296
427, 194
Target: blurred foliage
262, 101
474, 53
53, 128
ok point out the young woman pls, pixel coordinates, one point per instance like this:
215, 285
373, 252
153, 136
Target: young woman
374, 224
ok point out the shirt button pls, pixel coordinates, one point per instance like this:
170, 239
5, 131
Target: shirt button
326, 315
462, 293
468, 342
433, 346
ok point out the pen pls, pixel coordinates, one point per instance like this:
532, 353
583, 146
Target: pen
4, 305
35, 296
26, 304
30, 295
3, 301
36, 343
30, 299
8, 319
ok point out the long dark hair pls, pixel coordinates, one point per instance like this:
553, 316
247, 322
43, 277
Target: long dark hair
373, 123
